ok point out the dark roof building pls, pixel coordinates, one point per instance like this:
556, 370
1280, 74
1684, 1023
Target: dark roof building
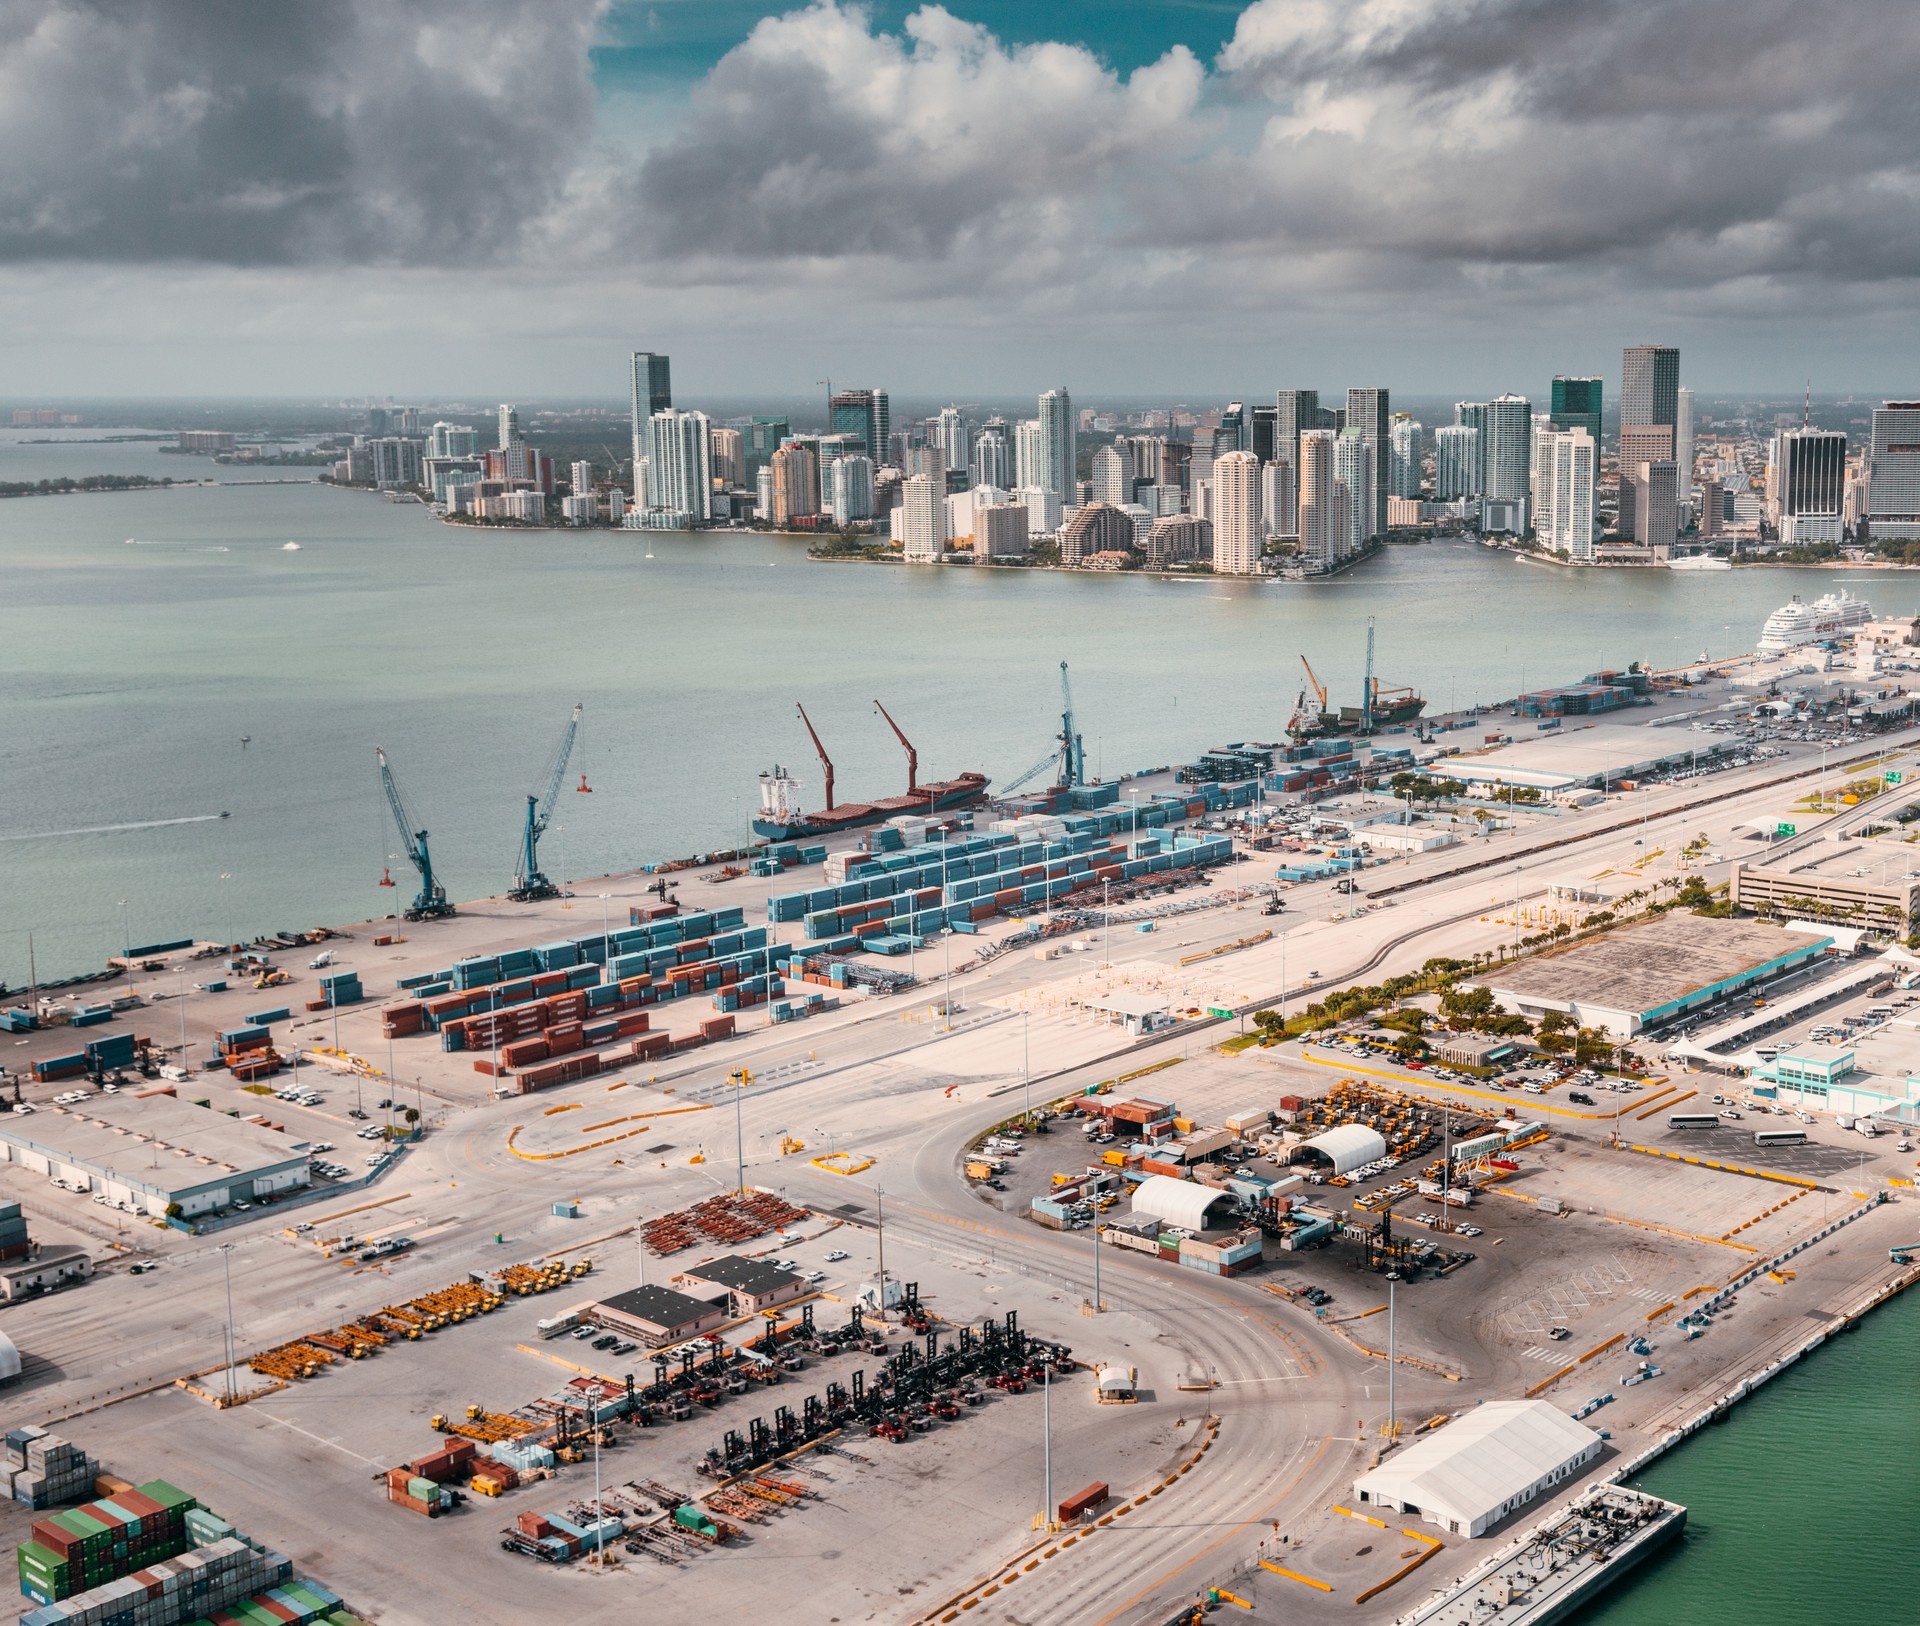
751, 1285
657, 1315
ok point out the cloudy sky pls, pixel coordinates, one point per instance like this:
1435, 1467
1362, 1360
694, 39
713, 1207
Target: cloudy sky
1130, 196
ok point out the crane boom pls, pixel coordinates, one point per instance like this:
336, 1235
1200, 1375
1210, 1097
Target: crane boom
826, 762
431, 901
913, 756
529, 884
1073, 750
1315, 684
1018, 780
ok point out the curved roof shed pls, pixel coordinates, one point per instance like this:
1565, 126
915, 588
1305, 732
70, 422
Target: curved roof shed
1185, 1203
1346, 1148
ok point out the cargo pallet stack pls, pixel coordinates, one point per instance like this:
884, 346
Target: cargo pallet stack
41, 1469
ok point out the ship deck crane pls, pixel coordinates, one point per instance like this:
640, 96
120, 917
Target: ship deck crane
529, 884
1068, 753
431, 901
913, 756
826, 762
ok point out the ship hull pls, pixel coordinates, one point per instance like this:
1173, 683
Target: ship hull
947, 796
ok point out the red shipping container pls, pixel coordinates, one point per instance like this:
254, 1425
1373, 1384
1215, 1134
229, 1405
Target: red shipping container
486, 1068
718, 1027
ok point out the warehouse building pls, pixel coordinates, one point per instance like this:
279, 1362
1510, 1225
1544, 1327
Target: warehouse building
657, 1316
49, 1270
1640, 976
154, 1152
1343, 1149
1604, 756
747, 1286
1185, 1204
1469, 1476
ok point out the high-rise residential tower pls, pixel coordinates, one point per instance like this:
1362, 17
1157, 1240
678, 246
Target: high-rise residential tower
1029, 455
851, 484
993, 455
1456, 462
1058, 457
1276, 498
1321, 515
509, 426
679, 464
1368, 411
862, 413
1563, 518
1893, 471
1353, 468
1506, 447
1113, 475
1403, 456
1236, 514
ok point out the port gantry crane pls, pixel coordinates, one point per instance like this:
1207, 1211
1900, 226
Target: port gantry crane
431, 902
529, 885
913, 756
1069, 752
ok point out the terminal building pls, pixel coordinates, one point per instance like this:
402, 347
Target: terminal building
1837, 880
1482, 1467
1643, 975
156, 1154
1603, 756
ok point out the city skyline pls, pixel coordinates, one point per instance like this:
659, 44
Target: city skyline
189, 214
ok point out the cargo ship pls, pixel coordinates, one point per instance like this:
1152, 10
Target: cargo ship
781, 818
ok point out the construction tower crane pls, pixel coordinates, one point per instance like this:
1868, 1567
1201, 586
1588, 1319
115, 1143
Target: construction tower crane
913, 756
826, 762
529, 884
431, 903
1069, 752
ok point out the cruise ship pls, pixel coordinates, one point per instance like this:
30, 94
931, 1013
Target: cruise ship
1834, 615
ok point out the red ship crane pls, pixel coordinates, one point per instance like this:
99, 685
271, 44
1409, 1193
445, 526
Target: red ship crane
913, 756
826, 762
386, 876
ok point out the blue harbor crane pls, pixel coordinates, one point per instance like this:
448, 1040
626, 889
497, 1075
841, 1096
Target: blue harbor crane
1069, 752
431, 903
529, 885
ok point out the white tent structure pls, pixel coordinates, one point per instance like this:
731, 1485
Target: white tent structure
1471, 1474
1347, 1148
9, 1359
1183, 1203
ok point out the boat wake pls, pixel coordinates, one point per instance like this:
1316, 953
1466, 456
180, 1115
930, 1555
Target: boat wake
114, 829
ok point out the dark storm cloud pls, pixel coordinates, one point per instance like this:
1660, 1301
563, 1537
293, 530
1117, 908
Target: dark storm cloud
239, 133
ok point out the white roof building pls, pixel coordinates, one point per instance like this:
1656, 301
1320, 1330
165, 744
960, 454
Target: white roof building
1481, 1467
1347, 1148
1184, 1203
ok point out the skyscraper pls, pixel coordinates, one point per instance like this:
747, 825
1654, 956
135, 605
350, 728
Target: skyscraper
1319, 510
1809, 483
764, 437
1649, 385
1893, 471
993, 455
1683, 437
580, 478
1473, 415
652, 392
1576, 405
860, 412
1656, 506
1263, 427
1236, 514
1058, 458
1403, 456
948, 431
1237, 430
1639, 443
453, 440
679, 464
509, 426
796, 483
729, 456
1295, 412
1353, 468
852, 486
1564, 517
1368, 412
923, 505
1113, 475
1456, 462
1276, 498
1029, 456
1506, 447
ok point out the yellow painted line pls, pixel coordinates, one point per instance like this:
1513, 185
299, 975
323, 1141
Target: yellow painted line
1379, 1523
1724, 1168
1295, 1575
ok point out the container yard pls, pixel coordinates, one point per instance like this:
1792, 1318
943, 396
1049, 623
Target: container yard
877, 1192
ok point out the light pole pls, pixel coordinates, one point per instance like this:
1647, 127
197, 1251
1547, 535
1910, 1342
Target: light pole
1393, 1427
739, 1141
1094, 1231
606, 931
126, 945
227, 875
1026, 1068
1046, 1425
880, 1225
226, 1268
1106, 922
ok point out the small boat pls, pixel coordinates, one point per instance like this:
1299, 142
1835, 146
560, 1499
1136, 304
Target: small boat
289, 547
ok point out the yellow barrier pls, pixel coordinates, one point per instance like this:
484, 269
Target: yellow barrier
1662, 1106
1295, 1575
833, 1163
1601, 1349
1433, 1546
1547, 1383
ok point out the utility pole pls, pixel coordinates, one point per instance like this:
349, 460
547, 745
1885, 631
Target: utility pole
1046, 1413
880, 1212
1393, 1356
226, 1268
1094, 1231
739, 1141
599, 1513
1026, 1068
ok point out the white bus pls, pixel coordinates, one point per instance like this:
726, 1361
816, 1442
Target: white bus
1779, 1137
1693, 1120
